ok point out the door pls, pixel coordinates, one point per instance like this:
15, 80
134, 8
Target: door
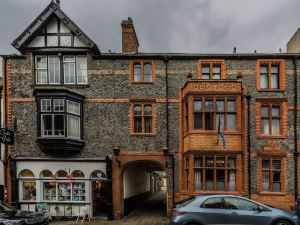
99, 193
245, 212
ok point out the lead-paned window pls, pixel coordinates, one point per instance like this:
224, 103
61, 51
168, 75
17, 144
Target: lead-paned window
143, 118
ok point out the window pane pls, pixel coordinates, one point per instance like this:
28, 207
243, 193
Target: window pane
197, 115
208, 115
46, 105
198, 162
59, 125
41, 62
197, 106
148, 124
137, 73
69, 73
231, 124
137, 125
49, 191
276, 185
73, 107
214, 203
231, 163
198, 179
209, 182
78, 191
266, 164
47, 125
209, 162
216, 72
148, 110
263, 76
137, 110
69, 58
264, 111
275, 77
265, 181
231, 106
205, 72
220, 162
81, 67
73, 126
276, 164
275, 112
64, 191
208, 106
265, 126
59, 105
220, 118
41, 76
220, 180
53, 70
240, 204
275, 126
220, 105
147, 72
29, 190
231, 180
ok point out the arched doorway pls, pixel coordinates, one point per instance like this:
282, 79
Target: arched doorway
144, 189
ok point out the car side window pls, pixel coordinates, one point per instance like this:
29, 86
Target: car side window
213, 203
240, 204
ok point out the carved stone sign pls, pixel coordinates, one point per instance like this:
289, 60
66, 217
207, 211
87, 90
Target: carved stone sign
6, 136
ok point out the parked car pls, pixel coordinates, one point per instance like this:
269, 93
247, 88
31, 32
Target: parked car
229, 209
10, 216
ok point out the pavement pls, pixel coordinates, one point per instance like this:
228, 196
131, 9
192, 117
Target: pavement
151, 212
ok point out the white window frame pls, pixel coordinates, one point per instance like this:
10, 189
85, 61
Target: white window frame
79, 127
58, 99
52, 119
83, 56
44, 100
48, 75
73, 63
41, 69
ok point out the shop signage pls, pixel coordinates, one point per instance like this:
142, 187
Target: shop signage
6, 136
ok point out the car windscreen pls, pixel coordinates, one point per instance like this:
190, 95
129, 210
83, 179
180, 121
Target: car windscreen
185, 202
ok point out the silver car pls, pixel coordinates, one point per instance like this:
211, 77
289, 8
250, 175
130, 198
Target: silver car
229, 209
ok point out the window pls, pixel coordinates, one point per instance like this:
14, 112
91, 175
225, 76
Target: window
270, 74
212, 69
213, 203
240, 204
210, 112
270, 119
48, 69
186, 168
143, 118
143, 72
54, 116
215, 173
28, 185
271, 175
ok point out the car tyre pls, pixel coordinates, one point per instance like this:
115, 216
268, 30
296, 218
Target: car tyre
282, 222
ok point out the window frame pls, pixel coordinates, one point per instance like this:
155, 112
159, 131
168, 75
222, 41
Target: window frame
142, 64
270, 170
269, 63
211, 64
142, 104
61, 70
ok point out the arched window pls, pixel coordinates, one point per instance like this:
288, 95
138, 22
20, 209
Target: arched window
61, 174
98, 174
142, 72
143, 118
46, 174
28, 185
77, 174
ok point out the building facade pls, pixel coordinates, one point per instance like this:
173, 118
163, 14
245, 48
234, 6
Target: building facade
91, 128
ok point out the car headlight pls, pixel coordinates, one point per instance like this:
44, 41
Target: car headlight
13, 222
295, 217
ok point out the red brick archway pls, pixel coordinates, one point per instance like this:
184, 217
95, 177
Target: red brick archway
126, 159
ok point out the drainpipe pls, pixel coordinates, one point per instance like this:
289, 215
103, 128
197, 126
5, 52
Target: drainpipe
249, 149
295, 130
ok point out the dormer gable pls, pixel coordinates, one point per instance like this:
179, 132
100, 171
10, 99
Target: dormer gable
54, 31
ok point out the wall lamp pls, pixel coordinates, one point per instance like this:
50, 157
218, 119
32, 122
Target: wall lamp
116, 151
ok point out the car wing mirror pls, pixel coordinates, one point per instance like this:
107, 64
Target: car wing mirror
260, 208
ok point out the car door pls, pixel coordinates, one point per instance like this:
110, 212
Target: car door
212, 212
244, 212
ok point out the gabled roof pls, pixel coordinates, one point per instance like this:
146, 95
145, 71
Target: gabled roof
53, 9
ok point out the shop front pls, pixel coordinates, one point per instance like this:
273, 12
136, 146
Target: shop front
64, 185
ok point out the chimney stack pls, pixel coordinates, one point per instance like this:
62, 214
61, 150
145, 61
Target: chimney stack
130, 42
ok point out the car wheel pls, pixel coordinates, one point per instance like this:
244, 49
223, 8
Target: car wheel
282, 222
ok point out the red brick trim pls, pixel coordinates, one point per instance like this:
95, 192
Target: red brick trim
282, 73
212, 62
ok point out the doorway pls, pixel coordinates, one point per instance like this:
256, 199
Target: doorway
99, 196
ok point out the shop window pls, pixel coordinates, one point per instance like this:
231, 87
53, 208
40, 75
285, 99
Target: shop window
271, 172
212, 69
62, 174
98, 174
46, 174
77, 174
142, 72
270, 74
28, 185
214, 113
143, 118
214, 173
47, 69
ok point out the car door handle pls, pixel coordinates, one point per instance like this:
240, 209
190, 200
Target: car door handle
234, 214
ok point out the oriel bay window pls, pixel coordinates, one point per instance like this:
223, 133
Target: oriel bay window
143, 118
210, 112
214, 173
48, 69
271, 172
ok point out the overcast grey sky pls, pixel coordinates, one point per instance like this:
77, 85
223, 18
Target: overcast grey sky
197, 26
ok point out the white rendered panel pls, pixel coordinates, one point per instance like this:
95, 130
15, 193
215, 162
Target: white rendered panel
52, 41
52, 26
38, 41
64, 28
65, 41
79, 43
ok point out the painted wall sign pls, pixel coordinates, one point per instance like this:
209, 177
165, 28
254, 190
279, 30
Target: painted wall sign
6, 136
